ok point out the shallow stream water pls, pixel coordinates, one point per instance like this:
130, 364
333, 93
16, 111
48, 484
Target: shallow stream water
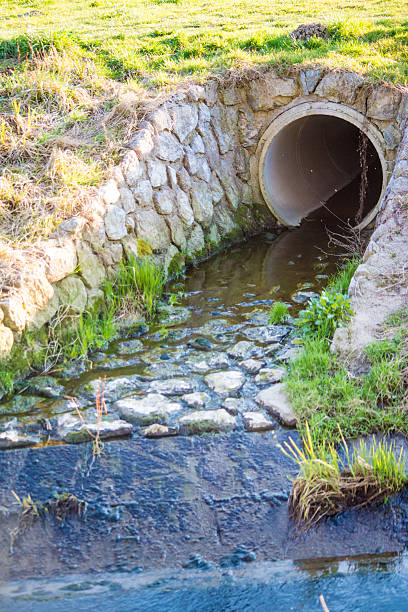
192, 522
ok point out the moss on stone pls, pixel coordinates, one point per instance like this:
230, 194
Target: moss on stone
143, 248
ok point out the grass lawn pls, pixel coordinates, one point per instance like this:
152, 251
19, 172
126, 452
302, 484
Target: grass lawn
157, 42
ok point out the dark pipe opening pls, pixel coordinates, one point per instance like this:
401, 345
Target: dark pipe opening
314, 168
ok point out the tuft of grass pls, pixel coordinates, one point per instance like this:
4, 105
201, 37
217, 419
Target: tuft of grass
279, 313
339, 282
327, 485
133, 293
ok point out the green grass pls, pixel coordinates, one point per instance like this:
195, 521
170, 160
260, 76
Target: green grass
279, 313
132, 294
333, 479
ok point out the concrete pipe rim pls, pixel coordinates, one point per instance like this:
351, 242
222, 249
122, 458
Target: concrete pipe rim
304, 109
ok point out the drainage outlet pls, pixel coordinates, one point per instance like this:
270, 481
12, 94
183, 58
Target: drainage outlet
322, 160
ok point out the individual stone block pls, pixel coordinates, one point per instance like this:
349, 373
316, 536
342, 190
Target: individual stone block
309, 79
131, 168
127, 200
115, 223
160, 119
168, 148
197, 145
340, 87
256, 421
225, 123
60, 260
6, 340
153, 408
265, 93
109, 192
226, 383
185, 119
142, 143
275, 401
201, 202
164, 200
72, 293
151, 227
196, 243
157, 173
184, 208
205, 421
91, 267
383, 103
143, 193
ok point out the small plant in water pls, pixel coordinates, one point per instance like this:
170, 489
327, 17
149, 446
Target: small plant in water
326, 485
279, 313
100, 409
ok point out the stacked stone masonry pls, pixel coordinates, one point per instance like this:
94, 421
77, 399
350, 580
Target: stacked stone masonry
187, 183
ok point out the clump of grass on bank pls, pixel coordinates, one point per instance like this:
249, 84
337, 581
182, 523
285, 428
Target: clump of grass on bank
128, 297
328, 484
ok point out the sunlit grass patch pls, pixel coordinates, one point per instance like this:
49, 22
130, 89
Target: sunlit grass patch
329, 483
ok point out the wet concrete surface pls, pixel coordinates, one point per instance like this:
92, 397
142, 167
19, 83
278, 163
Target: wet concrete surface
156, 503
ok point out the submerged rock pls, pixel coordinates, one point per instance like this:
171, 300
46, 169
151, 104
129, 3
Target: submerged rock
172, 386
21, 404
269, 333
225, 383
14, 439
275, 401
130, 346
252, 366
114, 387
152, 409
235, 405
270, 375
256, 421
196, 400
207, 421
242, 350
200, 344
44, 386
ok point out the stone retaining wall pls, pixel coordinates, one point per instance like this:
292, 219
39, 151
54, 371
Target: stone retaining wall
187, 183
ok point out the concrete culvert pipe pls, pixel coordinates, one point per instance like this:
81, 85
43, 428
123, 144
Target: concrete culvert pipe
311, 164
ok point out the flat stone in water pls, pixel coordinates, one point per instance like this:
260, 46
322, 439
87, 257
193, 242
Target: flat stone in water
225, 383
236, 405
173, 315
72, 430
256, 421
270, 375
196, 400
300, 297
275, 401
14, 439
154, 408
74, 369
242, 350
218, 360
21, 404
200, 344
252, 366
172, 386
206, 421
264, 334
44, 386
156, 430
130, 346
114, 387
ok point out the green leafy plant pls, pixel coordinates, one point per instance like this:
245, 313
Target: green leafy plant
324, 314
279, 313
